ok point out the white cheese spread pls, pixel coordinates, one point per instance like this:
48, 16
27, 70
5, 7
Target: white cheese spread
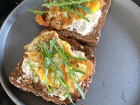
83, 27
79, 54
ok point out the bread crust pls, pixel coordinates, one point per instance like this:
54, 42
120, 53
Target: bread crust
37, 88
93, 37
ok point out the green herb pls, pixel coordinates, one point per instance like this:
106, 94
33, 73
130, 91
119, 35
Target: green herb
79, 88
86, 9
65, 2
49, 64
77, 58
54, 82
82, 72
69, 5
36, 11
41, 12
31, 68
63, 83
67, 9
71, 72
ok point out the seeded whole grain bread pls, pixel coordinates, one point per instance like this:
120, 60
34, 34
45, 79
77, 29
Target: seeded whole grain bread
37, 88
93, 37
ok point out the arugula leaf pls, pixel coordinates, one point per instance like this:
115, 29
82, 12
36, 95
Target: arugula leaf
80, 71
61, 54
48, 56
69, 5
77, 58
36, 11
54, 82
65, 88
64, 3
46, 80
71, 73
48, 53
67, 9
79, 88
86, 9
31, 68
41, 12
60, 8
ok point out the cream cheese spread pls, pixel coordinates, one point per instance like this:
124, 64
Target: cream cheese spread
82, 26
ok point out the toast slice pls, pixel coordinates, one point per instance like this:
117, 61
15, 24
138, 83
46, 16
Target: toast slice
21, 80
90, 39
93, 37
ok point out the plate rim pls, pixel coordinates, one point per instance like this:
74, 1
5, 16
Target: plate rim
2, 51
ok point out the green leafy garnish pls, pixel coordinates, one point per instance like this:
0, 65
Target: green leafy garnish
71, 71
49, 64
41, 12
31, 68
36, 11
68, 5
86, 9
79, 88
66, 87
77, 58
82, 72
65, 2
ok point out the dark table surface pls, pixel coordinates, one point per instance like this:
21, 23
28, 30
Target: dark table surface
6, 6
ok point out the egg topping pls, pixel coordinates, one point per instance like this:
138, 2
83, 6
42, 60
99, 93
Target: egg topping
34, 55
59, 20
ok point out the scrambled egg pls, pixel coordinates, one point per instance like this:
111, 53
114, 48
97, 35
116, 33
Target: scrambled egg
34, 55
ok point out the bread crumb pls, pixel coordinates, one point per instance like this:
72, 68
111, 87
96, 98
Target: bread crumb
94, 49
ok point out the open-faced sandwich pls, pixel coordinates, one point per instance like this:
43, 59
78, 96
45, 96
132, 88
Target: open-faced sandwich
80, 20
57, 64
59, 70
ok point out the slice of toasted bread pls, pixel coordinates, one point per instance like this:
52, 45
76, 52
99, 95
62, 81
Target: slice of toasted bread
92, 38
18, 78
